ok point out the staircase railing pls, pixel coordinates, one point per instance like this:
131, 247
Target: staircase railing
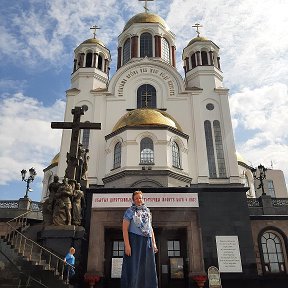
32, 250
29, 278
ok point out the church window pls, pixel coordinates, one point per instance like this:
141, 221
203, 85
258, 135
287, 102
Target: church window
126, 51
272, 253
218, 63
118, 248
117, 156
165, 50
100, 62
88, 59
173, 248
271, 189
146, 45
210, 106
146, 151
81, 59
193, 60
176, 155
85, 138
75, 65
210, 149
146, 96
219, 149
204, 58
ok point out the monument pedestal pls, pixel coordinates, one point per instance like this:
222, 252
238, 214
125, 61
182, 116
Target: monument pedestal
24, 203
60, 238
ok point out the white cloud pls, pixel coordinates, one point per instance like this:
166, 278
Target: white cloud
253, 42
12, 85
262, 111
26, 135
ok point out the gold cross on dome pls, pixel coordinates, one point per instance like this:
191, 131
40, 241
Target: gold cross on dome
145, 7
197, 25
95, 29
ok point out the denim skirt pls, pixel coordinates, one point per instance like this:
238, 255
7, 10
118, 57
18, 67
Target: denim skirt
139, 269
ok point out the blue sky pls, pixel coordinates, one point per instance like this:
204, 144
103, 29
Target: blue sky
38, 38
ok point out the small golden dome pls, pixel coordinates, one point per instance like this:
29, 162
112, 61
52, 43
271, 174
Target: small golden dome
240, 158
197, 39
146, 18
55, 160
93, 41
145, 117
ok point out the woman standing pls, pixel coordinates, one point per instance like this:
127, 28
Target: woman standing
138, 269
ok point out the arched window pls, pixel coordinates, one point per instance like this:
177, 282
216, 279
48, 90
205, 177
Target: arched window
204, 58
80, 60
193, 60
146, 45
86, 138
100, 62
219, 149
165, 53
126, 51
117, 156
146, 96
271, 188
272, 252
146, 151
176, 155
210, 149
89, 59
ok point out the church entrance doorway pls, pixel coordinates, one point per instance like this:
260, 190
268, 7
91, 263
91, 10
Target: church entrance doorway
170, 260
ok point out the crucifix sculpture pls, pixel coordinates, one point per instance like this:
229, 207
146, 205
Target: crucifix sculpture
76, 126
145, 7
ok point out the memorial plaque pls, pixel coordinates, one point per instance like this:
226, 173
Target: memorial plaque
228, 252
214, 277
116, 267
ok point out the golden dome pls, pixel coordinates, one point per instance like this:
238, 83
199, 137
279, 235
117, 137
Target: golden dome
146, 116
146, 18
93, 41
240, 158
197, 39
55, 160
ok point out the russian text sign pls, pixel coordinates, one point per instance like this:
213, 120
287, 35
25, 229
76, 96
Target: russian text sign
151, 200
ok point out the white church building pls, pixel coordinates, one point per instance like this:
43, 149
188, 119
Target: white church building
164, 133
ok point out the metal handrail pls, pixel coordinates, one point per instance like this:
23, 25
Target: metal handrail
22, 273
22, 243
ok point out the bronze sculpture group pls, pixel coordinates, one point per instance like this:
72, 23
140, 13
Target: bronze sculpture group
65, 204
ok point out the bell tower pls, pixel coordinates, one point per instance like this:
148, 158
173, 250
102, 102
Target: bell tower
91, 64
214, 142
202, 63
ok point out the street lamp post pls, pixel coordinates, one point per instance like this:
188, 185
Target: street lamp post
262, 175
32, 174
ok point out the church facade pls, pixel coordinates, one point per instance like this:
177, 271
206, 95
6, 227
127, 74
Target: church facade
172, 138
